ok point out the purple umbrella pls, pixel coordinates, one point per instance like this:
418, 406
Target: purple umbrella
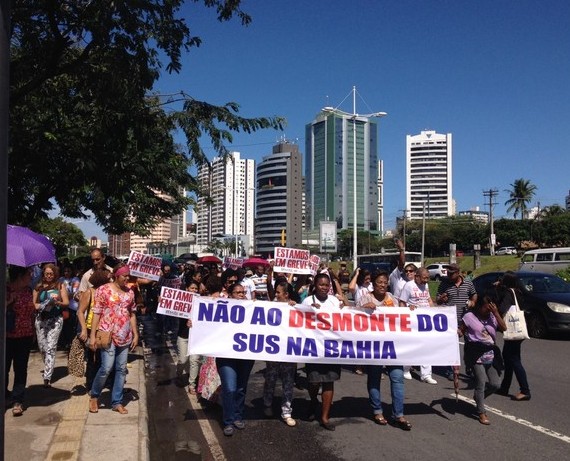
26, 248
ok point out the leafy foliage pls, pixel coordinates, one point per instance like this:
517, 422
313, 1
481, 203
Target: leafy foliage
61, 233
87, 133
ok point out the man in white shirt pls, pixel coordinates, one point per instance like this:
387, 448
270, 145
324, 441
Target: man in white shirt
248, 284
415, 293
98, 259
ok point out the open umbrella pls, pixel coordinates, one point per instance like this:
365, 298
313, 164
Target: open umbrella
25, 247
209, 260
255, 262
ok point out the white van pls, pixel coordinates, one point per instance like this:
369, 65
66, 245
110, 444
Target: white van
549, 260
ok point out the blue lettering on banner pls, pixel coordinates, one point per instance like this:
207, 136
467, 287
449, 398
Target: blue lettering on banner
440, 322
259, 317
362, 349
256, 344
296, 346
219, 312
427, 323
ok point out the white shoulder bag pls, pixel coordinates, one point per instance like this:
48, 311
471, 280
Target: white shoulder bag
516, 323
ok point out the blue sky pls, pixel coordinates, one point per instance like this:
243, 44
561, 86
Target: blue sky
495, 74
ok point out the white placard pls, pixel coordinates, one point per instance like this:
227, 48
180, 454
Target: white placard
144, 266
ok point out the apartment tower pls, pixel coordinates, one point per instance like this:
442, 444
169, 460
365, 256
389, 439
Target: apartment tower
428, 175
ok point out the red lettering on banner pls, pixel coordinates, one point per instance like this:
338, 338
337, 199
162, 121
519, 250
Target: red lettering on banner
344, 321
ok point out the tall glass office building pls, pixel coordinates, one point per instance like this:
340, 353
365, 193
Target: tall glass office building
329, 174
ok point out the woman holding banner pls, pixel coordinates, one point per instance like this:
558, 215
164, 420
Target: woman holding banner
284, 293
234, 375
369, 302
322, 374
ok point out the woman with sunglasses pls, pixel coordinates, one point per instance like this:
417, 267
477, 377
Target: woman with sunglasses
50, 298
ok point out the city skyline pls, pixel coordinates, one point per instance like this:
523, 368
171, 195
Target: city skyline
492, 74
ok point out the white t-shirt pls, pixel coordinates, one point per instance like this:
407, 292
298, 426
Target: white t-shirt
249, 286
415, 295
331, 302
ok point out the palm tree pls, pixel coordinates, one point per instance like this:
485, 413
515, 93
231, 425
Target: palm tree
521, 194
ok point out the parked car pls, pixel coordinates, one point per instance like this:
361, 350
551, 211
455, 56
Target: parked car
506, 251
437, 271
546, 300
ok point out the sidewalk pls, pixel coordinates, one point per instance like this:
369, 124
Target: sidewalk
56, 424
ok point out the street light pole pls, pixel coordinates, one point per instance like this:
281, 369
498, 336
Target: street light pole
354, 189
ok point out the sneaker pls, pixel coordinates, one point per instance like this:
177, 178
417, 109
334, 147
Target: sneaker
429, 380
268, 412
449, 375
239, 425
228, 431
407, 375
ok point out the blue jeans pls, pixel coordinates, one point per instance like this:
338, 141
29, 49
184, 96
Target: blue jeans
115, 357
234, 374
396, 375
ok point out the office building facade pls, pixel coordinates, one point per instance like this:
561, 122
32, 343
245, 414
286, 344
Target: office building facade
279, 207
333, 141
428, 175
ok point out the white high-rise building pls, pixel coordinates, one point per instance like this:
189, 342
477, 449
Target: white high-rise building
226, 204
428, 175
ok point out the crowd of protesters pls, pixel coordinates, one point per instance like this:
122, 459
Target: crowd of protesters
108, 299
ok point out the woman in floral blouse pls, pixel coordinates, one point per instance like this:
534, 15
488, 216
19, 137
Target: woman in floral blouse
115, 312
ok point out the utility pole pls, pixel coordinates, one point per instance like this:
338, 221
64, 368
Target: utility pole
491, 193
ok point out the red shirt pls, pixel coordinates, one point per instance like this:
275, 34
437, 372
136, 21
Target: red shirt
25, 313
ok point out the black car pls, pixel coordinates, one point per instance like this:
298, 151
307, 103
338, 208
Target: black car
546, 300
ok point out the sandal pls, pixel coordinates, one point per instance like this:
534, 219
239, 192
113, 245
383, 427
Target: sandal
17, 409
120, 409
328, 426
192, 391
93, 405
483, 419
379, 419
403, 424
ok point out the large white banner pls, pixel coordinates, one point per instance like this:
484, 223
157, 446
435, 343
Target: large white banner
263, 330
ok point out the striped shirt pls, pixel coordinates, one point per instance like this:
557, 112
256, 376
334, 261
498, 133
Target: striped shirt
457, 295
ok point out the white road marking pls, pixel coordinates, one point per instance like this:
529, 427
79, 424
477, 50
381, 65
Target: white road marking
523, 422
203, 421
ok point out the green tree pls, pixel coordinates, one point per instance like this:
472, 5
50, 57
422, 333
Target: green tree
88, 132
521, 193
62, 234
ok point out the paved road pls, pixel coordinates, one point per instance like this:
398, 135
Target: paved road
519, 430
